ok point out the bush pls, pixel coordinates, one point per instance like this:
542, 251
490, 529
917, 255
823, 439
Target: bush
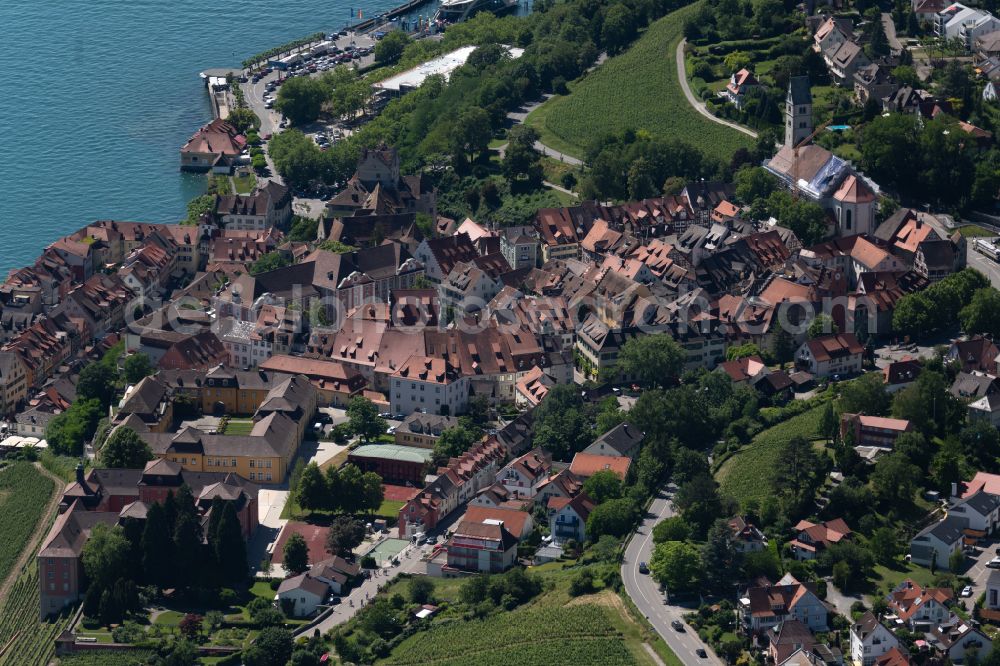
703, 70
582, 583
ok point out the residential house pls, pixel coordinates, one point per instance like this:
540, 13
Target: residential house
335, 385
964, 24
747, 537
935, 544
303, 593
744, 371
570, 518
870, 640
267, 206
585, 465
873, 431
761, 607
958, 640
482, 547
428, 384
440, 255
976, 353
518, 522
532, 387
13, 383
981, 511
519, 246
523, 476
741, 86
813, 538
423, 430
786, 638
837, 354
214, 146
844, 62
623, 440
831, 34
873, 82
920, 608
899, 374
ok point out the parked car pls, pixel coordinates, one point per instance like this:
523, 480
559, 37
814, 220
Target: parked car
677, 625
967, 591
701, 653
333, 601
432, 540
994, 563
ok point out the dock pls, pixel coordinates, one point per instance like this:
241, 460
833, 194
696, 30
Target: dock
375, 21
217, 85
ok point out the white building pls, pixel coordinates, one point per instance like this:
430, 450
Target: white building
936, 543
964, 23
429, 385
870, 640
303, 592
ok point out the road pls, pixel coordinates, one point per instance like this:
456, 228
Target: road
698, 104
648, 599
983, 264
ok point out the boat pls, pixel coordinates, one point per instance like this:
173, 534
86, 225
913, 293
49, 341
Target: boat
456, 11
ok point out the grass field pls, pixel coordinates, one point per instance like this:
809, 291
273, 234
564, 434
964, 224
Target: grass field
975, 231
24, 492
238, 427
639, 90
748, 473
244, 184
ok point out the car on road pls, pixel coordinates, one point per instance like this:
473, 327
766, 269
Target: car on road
994, 563
677, 625
432, 540
643, 568
333, 601
701, 653
967, 591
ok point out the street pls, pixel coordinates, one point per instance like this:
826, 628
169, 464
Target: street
645, 592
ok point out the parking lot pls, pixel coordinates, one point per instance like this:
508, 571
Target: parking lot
979, 572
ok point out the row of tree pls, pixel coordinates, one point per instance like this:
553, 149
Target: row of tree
344, 490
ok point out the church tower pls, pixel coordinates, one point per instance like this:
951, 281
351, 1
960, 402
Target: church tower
798, 111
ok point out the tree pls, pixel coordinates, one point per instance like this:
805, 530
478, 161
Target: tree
521, 162
300, 99
125, 449
673, 528
269, 262
105, 556
190, 626
720, 560
243, 119
864, 395
742, 351
699, 503
878, 43
157, 547
230, 548
363, 417
928, 404
982, 315
782, 346
471, 133
312, 491
295, 554
736, 61
97, 382
452, 443
603, 485
273, 647
821, 325
893, 480
614, 517
829, 423
371, 493
345, 535
885, 545
199, 209
653, 359
137, 366
390, 48
618, 27
421, 590
677, 565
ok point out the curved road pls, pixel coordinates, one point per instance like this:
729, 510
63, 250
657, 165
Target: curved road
698, 104
645, 592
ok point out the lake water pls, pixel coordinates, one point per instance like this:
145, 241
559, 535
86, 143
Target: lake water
101, 95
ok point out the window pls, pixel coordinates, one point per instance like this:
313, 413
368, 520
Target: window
267, 464
268, 476
253, 477
251, 463
233, 462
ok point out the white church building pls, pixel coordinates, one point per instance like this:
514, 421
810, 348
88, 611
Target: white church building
820, 176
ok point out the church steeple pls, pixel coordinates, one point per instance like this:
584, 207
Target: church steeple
798, 111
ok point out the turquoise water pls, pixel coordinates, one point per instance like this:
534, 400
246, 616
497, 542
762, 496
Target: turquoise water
101, 94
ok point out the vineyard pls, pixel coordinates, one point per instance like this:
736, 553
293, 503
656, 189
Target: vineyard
756, 461
24, 494
24, 640
539, 636
638, 90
